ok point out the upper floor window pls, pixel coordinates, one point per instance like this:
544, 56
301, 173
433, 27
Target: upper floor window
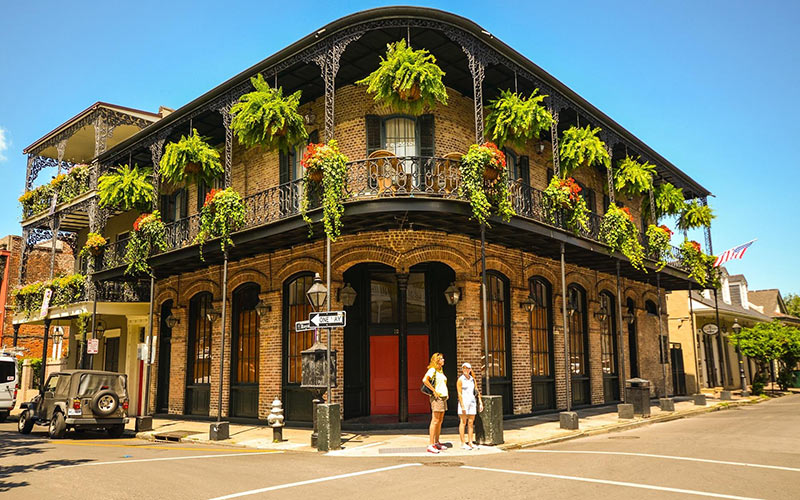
174, 206
400, 136
291, 168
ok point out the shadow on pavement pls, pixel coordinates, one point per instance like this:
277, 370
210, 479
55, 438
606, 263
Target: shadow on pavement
13, 444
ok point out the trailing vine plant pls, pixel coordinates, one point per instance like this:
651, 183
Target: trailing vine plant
516, 119
222, 214
562, 199
700, 266
618, 231
580, 147
325, 163
632, 178
66, 187
694, 215
485, 195
658, 244
265, 117
148, 236
66, 290
190, 159
408, 80
126, 188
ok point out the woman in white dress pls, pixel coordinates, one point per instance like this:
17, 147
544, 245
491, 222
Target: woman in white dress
469, 403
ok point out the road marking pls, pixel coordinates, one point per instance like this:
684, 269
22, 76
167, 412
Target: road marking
345, 450
163, 459
312, 481
165, 447
614, 483
670, 457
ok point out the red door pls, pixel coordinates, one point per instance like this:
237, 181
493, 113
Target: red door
383, 370
417, 366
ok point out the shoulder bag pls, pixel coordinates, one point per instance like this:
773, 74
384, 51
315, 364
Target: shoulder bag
425, 389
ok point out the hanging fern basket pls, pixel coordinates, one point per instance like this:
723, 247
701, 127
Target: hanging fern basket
410, 95
491, 173
191, 168
315, 175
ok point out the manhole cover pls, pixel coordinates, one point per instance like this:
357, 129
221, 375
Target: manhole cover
443, 464
623, 437
172, 436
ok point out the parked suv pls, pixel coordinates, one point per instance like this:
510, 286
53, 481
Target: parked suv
8, 384
81, 400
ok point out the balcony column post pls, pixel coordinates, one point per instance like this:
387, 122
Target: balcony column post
156, 150
101, 133
23, 258
610, 175
225, 111
554, 139
29, 173
653, 215
54, 225
60, 148
328, 62
477, 67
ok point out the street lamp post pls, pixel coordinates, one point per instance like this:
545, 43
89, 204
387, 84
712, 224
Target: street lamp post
736, 329
317, 296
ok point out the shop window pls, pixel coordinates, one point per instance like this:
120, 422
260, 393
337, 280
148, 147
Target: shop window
297, 308
541, 327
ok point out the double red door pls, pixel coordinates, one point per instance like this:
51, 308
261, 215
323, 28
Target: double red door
384, 368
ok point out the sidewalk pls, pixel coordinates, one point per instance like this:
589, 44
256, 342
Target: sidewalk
518, 433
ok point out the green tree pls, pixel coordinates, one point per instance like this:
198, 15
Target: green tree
792, 302
765, 343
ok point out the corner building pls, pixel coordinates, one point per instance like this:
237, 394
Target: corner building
407, 237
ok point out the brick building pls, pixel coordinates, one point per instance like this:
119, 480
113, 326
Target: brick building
407, 238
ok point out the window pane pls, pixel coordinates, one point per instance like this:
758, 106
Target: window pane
496, 325
299, 309
607, 351
401, 136
199, 340
383, 298
577, 332
415, 298
540, 330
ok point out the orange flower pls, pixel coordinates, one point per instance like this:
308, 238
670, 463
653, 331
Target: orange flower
628, 213
666, 229
695, 245
210, 196
139, 221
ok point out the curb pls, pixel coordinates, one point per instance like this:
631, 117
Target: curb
631, 425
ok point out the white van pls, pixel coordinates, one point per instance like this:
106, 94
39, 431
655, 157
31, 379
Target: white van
8, 383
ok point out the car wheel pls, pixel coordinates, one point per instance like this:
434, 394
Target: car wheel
105, 402
25, 422
116, 430
57, 426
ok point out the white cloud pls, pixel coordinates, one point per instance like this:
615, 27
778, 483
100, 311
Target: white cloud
3, 144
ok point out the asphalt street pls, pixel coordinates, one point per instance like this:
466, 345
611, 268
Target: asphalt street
747, 452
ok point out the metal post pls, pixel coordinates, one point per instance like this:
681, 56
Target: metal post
568, 371
620, 337
16, 335
150, 348
94, 328
44, 353
483, 309
402, 289
222, 335
694, 342
661, 337
741, 374
328, 308
722, 351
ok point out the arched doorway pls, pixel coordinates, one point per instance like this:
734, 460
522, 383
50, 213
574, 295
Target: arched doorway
608, 348
372, 337
633, 341
498, 321
543, 386
578, 346
164, 358
198, 356
296, 401
244, 355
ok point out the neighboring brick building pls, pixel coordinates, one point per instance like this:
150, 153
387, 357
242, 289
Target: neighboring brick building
407, 238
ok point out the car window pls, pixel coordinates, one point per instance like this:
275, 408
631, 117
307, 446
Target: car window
62, 388
93, 382
7, 371
51, 383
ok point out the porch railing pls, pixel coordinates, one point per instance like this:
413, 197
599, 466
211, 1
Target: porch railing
407, 176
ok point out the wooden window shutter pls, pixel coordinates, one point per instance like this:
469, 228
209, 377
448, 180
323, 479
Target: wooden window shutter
550, 174
373, 124
590, 200
166, 215
606, 203
426, 136
183, 194
525, 169
283, 167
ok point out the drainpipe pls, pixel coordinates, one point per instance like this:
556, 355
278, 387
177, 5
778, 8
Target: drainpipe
568, 371
483, 308
663, 348
620, 337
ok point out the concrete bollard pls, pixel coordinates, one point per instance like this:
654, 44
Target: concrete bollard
492, 420
625, 410
568, 420
725, 395
329, 427
666, 404
700, 399
144, 423
219, 431
275, 420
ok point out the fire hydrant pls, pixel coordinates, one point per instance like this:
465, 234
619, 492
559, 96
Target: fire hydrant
275, 420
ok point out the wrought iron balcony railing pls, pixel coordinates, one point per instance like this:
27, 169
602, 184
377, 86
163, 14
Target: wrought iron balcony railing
64, 188
408, 176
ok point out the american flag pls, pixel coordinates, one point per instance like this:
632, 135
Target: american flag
733, 253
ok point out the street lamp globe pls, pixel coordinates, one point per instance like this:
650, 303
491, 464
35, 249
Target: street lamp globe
452, 294
347, 295
317, 293
736, 327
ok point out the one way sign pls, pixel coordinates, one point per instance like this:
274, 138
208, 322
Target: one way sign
328, 319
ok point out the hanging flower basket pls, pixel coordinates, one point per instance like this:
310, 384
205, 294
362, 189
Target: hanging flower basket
580, 148
618, 231
95, 244
222, 214
410, 95
516, 119
658, 244
190, 159
148, 237
191, 168
562, 201
484, 181
325, 164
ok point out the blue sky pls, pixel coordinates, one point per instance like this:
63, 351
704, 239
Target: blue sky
710, 85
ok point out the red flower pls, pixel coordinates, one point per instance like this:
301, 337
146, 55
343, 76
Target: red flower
308, 156
628, 213
666, 229
139, 220
210, 196
499, 158
695, 245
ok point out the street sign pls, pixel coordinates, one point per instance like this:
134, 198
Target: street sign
710, 329
303, 326
328, 319
92, 346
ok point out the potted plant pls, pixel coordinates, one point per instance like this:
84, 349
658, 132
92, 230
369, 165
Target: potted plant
694, 215
515, 119
126, 188
562, 198
668, 200
632, 178
618, 231
325, 163
658, 244
700, 266
222, 214
580, 147
266, 118
148, 236
190, 159
95, 243
407, 80
484, 180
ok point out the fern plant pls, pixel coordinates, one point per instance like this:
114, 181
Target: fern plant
668, 200
632, 178
147, 238
618, 231
515, 119
126, 188
264, 117
190, 159
331, 164
222, 214
580, 147
695, 215
408, 80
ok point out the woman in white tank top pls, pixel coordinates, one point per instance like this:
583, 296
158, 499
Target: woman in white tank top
469, 402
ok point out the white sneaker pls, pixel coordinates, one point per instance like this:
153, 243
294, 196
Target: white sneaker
432, 449
466, 447
475, 446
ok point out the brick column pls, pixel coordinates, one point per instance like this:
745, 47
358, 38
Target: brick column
177, 379
520, 351
469, 334
216, 346
270, 353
